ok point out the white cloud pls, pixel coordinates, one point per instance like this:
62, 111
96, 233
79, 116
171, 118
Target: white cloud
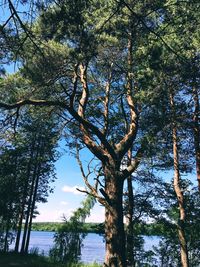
53, 215
49, 216
63, 203
72, 189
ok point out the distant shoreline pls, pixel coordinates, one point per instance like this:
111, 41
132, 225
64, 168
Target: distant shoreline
56, 226
152, 229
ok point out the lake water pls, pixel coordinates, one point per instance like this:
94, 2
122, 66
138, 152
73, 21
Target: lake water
93, 245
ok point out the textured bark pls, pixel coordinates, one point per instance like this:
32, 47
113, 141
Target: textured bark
114, 227
179, 193
183, 243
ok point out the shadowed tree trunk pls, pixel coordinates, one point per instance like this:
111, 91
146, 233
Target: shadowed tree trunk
32, 208
22, 208
21, 215
5, 248
24, 239
19, 228
28, 212
129, 239
196, 130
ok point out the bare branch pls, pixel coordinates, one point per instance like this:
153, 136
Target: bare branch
7, 21
92, 190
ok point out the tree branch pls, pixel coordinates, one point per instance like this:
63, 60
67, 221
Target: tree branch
134, 163
106, 102
93, 191
123, 146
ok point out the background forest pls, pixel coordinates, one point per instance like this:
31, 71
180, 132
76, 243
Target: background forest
117, 78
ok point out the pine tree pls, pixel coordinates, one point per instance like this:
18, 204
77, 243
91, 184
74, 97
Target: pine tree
98, 65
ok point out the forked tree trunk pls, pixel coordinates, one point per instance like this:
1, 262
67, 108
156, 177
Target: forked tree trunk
114, 227
179, 193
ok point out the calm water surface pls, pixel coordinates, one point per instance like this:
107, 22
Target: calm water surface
93, 245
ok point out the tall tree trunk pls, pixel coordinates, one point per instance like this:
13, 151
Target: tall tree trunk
114, 227
26, 226
34, 176
24, 239
21, 215
178, 191
19, 229
129, 238
196, 130
32, 209
5, 248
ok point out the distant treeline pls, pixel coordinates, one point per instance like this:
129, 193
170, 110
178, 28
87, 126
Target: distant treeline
143, 229
55, 226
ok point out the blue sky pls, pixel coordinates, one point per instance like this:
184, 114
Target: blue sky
66, 198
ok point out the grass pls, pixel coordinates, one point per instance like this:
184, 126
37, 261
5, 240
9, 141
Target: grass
12, 259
